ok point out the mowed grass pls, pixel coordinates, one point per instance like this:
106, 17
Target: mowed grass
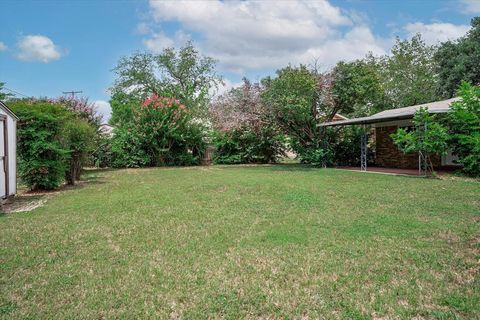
245, 242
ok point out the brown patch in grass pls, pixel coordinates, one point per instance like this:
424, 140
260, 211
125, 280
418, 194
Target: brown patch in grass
24, 203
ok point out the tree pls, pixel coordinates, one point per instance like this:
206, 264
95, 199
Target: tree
245, 129
77, 136
184, 74
82, 108
4, 95
428, 137
465, 128
162, 132
358, 87
41, 156
300, 99
459, 60
122, 105
409, 74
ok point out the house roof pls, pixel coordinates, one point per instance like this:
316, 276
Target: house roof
396, 114
7, 110
106, 128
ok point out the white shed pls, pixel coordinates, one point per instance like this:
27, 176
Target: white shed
8, 152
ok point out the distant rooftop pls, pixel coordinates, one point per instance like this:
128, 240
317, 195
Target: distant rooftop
396, 114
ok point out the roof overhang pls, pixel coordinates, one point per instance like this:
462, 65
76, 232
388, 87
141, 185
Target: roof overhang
7, 110
395, 114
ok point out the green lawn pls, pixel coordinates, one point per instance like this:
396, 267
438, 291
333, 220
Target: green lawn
245, 242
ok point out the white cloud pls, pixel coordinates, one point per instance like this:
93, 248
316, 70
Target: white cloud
470, 6
142, 28
437, 32
103, 108
160, 41
3, 46
226, 86
37, 48
257, 35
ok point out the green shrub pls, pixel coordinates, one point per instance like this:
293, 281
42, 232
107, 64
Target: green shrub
245, 145
78, 137
127, 149
41, 156
346, 145
429, 137
101, 156
464, 122
161, 133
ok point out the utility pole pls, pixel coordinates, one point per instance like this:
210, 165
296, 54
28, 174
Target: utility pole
72, 93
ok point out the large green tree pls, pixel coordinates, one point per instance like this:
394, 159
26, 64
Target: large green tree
245, 131
408, 74
358, 87
459, 60
122, 105
465, 128
184, 74
300, 99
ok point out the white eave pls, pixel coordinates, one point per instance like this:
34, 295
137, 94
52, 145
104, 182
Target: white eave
396, 114
7, 110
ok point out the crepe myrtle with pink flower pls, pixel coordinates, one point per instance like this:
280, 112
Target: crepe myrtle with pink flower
162, 128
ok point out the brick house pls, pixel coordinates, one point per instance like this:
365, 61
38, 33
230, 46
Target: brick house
381, 125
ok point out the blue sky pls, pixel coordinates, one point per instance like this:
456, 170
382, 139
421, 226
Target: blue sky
47, 47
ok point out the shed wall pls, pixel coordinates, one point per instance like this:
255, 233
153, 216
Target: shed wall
12, 152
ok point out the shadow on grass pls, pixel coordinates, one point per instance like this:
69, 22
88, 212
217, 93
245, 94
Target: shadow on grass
293, 167
27, 200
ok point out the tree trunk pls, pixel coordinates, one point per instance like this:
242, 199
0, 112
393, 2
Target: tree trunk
75, 169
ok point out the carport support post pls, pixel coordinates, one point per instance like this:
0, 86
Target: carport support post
363, 150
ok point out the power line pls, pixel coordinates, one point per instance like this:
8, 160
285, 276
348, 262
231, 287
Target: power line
72, 93
16, 92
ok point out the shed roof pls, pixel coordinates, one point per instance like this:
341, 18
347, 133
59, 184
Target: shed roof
7, 110
396, 114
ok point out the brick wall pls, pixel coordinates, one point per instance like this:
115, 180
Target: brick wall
388, 155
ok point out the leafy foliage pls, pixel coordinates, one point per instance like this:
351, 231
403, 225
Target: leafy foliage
295, 98
4, 95
82, 108
458, 61
101, 156
345, 145
428, 137
122, 105
127, 149
358, 88
162, 133
78, 137
465, 128
184, 74
54, 142
246, 145
409, 74
42, 158
245, 130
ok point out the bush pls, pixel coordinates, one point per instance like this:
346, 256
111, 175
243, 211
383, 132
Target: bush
101, 156
429, 137
464, 122
78, 138
162, 132
53, 142
127, 149
346, 146
245, 145
41, 156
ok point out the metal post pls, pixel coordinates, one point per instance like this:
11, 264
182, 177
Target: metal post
363, 151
